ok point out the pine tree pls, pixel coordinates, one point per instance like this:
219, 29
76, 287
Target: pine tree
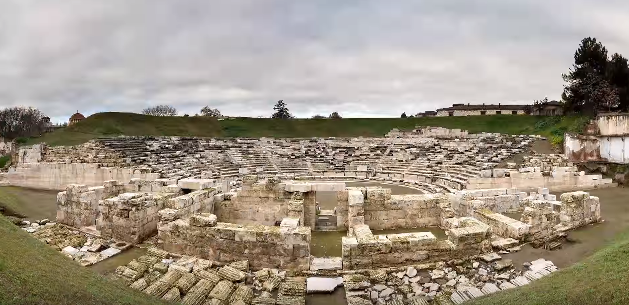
281, 112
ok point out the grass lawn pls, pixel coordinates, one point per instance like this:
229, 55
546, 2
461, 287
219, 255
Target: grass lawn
33, 273
602, 278
130, 124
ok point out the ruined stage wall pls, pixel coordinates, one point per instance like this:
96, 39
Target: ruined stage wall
527, 181
56, 176
263, 246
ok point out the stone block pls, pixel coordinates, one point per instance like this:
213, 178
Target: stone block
203, 220
355, 197
300, 187
195, 184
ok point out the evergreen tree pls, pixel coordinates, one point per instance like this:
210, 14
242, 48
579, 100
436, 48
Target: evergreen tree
403, 115
281, 111
618, 77
588, 90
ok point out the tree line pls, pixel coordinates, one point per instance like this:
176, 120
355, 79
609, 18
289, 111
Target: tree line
280, 112
22, 122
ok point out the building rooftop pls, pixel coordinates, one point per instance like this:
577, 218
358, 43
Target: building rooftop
484, 107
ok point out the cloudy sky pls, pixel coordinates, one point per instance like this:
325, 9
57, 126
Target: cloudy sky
361, 58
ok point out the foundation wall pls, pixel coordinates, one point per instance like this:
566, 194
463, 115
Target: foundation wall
367, 251
263, 246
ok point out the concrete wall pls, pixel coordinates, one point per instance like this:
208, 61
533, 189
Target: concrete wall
613, 124
263, 246
56, 176
597, 148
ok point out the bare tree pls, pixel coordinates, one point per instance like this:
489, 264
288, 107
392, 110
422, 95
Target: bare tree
19, 122
211, 112
160, 110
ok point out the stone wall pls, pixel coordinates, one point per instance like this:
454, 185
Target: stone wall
548, 219
130, 212
286, 247
78, 205
558, 181
385, 211
465, 202
131, 217
364, 250
502, 225
267, 202
259, 203
56, 176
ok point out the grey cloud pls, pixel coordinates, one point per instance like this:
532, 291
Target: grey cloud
361, 58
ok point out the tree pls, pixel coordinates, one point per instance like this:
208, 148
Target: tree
318, 117
403, 115
618, 77
335, 115
281, 112
160, 110
211, 112
588, 90
19, 122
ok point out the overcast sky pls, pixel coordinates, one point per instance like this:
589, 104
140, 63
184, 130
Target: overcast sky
360, 58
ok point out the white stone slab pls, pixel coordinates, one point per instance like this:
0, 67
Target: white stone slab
69, 250
326, 263
322, 284
109, 252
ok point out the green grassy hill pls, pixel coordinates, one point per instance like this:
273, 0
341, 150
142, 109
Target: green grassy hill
130, 124
33, 273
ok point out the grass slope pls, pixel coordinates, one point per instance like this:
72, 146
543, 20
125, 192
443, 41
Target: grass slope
602, 278
33, 273
130, 124
10, 204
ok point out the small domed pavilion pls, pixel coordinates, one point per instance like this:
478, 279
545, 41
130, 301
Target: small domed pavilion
75, 118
